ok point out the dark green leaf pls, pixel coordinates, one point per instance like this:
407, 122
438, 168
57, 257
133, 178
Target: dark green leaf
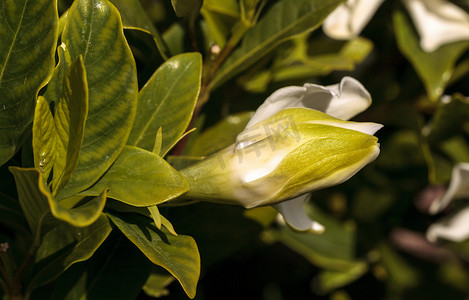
65, 245
283, 21
135, 17
28, 35
184, 8
116, 271
449, 118
177, 254
220, 135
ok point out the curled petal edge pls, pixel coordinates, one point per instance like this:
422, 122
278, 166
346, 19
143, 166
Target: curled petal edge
458, 187
292, 212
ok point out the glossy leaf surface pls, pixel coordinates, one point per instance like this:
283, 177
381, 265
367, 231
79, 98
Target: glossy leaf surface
140, 178
28, 34
94, 30
70, 117
177, 254
167, 100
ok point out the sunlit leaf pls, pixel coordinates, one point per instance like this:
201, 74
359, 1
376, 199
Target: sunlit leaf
140, 178
177, 254
36, 201
44, 137
28, 34
167, 100
94, 30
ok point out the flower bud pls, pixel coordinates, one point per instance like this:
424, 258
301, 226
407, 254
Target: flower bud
288, 150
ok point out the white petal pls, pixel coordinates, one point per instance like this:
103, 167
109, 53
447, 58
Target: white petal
294, 215
438, 22
456, 228
282, 98
458, 188
350, 98
349, 19
343, 101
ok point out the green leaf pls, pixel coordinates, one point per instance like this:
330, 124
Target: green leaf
220, 135
220, 17
65, 245
454, 108
70, 117
157, 283
434, 68
44, 137
283, 21
32, 200
334, 249
54, 87
140, 178
28, 35
134, 16
167, 100
331, 280
94, 30
185, 8
36, 199
177, 254
117, 270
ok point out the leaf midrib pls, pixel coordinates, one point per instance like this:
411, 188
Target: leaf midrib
141, 135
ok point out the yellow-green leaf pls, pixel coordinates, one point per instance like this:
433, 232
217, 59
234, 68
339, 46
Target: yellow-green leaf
70, 117
94, 30
167, 100
177, 254
44, 137
36, 200
140, 178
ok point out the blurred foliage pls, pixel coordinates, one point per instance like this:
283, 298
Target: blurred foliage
97, 100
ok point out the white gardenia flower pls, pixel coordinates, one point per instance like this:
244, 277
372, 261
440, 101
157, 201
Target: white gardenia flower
297, 141
456, 226
438, 22
348, 19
